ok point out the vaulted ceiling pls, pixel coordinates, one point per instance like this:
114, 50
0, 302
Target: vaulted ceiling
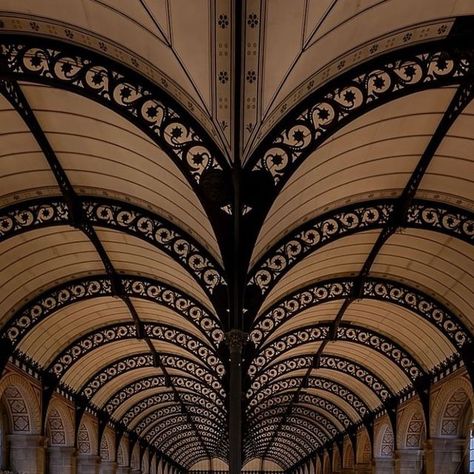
307, 162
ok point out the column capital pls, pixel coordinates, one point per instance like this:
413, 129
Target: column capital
236, 340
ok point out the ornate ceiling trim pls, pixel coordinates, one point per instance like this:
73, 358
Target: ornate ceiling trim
340, 101
285, 441
338, 223
52, 300
47, 28
406, 37
351, 333
352, 94
163, 426
124, 331
124, 217
318, 417
293, 434
68, 67
157, 399
380, 289
181, 382
138, 361
316, 382
283, 399
149, 420
332, 362
306, 426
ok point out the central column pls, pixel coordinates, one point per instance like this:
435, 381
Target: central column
236, 340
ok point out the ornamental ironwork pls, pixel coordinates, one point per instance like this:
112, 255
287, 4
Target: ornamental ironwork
289, 445
289, 432
165, 425
348, 97
146, 423
125, 217
285, 343
332, 362
170, 443
137, 361
164, 438
166, 397
112, 85
161, 234
374, 288
54, 299
192, 454
154, 381
277, 406
308, 430
321, 383
314, 235
314, 401
118, 332
26, 216
341, 222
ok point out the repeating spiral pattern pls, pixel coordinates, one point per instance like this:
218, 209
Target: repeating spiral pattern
171, 410
128, 331
186, 383
16, 220
158, 232
311, 237
164, 397
146, 360
122, 92
354, 96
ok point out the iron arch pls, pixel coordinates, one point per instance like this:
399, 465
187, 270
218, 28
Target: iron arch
117, 332
341, 222
381, 289
180, 381
331, 362
350, 333
124, 217
138, 361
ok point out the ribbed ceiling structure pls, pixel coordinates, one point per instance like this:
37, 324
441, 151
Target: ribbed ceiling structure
299, 171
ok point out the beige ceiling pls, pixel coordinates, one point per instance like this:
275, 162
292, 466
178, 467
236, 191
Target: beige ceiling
287, 44
290, 48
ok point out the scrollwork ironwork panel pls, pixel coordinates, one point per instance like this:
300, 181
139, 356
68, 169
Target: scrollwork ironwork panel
118, 332
146, 423
26, 216
132, 96
348, 97
390, 291
312, 236
138, 361
154, 381
341, 222
167, 397
332, 362
304, 398
160, 233
308, 429
278, 404
124, 217
321, 383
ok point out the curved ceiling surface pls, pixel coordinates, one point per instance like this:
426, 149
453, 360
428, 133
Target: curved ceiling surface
316, 194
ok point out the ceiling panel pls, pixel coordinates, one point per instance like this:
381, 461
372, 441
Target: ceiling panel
345, 256
371, 157
104, 154
40, 259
